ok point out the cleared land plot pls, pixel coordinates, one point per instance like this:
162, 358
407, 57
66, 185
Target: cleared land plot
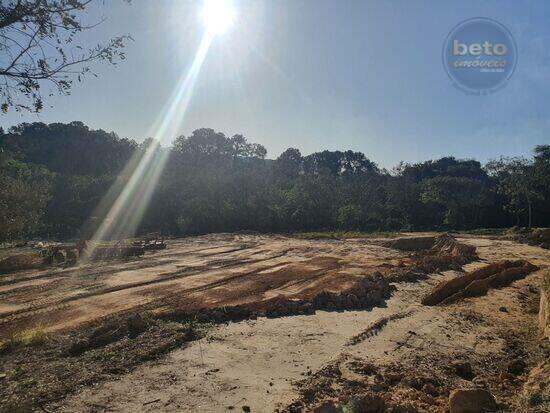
408, 354
400, 352
202, 272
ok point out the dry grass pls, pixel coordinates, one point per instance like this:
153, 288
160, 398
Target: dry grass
545, 288
343, 234
22, 261
26, 338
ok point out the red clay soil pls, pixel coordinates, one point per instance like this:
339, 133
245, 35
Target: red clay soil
200, 273
221, 277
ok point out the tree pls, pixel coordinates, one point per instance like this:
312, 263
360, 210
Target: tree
517, 180
61, 179
73, 201
68, 148
24, 193
243, 149
288, 165
454, 194
38, 47
338, 163
542, 153
349, 217
541, 165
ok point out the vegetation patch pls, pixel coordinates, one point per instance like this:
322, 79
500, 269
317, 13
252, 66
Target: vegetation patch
51, 369
544, 306
25, 338
343, 234
23, 261
218, 183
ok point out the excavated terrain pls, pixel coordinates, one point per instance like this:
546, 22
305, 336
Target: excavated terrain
259, 323
197, 273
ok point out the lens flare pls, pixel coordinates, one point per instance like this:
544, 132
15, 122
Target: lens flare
121, 211
218, 15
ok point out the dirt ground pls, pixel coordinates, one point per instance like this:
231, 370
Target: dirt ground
213, 271
407, 352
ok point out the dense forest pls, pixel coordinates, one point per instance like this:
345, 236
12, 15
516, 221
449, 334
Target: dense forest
53, 177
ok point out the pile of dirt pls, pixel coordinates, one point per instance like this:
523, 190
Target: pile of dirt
544, 308
26, 261
447, 245
361, 386
411, 243
540, 237
109, 332
536, 389
437, 381
366, 293
444, 253
478, 282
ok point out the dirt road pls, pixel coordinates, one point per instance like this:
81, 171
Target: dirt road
409, 352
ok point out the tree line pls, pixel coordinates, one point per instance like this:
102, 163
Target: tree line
53, 177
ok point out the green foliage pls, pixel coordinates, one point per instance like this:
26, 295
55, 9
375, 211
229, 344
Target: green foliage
344, 234
73, 201
68, 149
486, 231
456, 195
55, 178
39, 43
24, 193
520, 182
349, 217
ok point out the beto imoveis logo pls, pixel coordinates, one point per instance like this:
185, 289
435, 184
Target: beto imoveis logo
479, 56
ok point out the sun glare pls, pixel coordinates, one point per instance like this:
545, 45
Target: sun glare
218, 15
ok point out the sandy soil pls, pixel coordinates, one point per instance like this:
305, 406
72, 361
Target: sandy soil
268, 364
208, 271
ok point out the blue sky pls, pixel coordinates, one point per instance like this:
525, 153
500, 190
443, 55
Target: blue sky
319, 74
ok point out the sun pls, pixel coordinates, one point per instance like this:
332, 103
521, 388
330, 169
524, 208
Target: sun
218, 15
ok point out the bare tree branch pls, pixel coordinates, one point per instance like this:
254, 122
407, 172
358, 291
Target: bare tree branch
37, 44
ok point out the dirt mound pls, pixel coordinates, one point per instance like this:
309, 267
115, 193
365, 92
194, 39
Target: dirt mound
429, 255
366, 293
541, 235
443, 253
448, 245
18, 262
442, 244
411, 243
356, 385
478, 282
544, 308
113, 330
472, 400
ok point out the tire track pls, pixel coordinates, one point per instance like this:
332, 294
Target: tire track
186, 272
